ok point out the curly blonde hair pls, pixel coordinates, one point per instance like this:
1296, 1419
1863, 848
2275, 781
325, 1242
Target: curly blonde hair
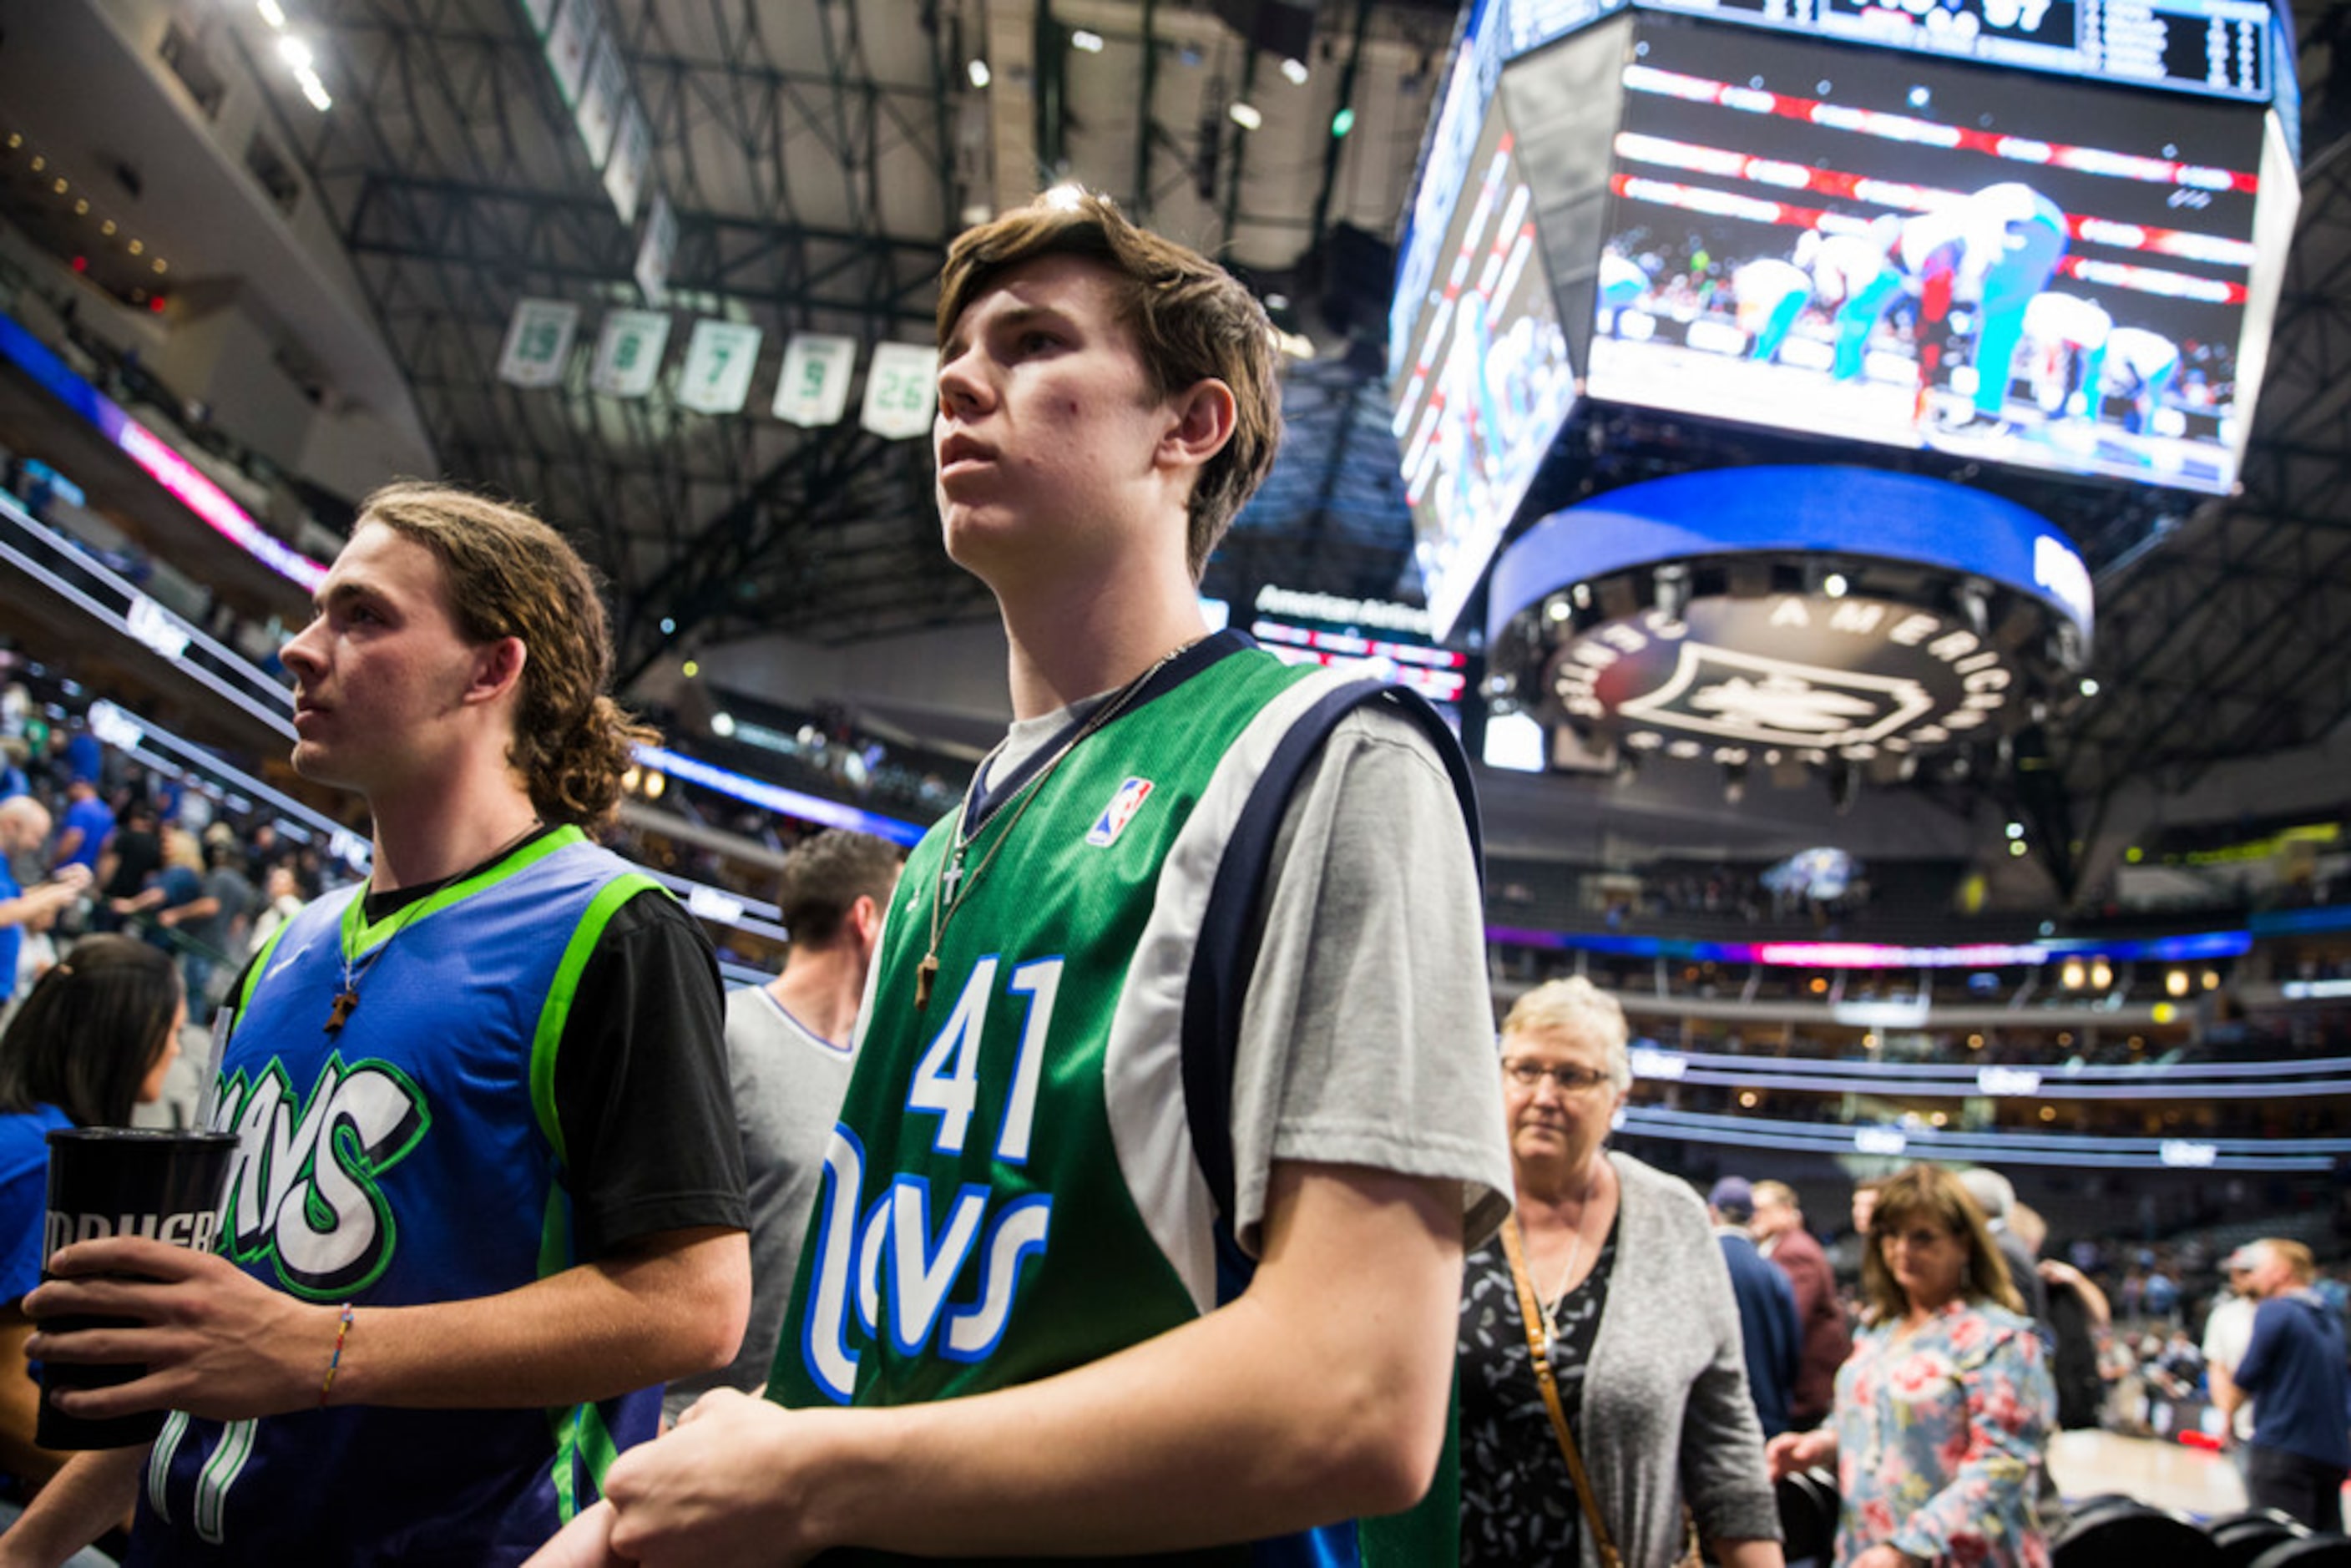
511, 575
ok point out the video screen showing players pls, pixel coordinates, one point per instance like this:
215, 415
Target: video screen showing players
1997, 265
1486, 382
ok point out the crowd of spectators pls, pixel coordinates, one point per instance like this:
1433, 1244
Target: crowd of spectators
146, 856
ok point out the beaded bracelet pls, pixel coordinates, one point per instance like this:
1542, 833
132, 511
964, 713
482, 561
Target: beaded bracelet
342, 1331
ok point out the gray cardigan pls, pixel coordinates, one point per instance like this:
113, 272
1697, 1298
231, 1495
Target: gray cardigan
1668, 1378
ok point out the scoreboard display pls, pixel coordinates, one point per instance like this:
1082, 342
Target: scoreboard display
1923, 254
2046, 234
2221, 47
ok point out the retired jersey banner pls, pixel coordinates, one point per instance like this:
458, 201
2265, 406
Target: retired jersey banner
629, 352
601, 99
538, 340
632, 155
653, 251
571, 42
901, 389
719, 359
813, 389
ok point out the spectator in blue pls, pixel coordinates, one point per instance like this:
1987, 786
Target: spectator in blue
2162, 1294
88, 825
1768, 1328
174, 898
2293, 1371
13, 778
85, 757
95, 1036
25, 824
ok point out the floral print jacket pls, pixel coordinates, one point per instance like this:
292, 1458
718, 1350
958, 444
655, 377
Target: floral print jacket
1942, 1437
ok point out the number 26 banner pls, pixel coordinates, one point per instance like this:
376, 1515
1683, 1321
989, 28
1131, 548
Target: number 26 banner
901, 389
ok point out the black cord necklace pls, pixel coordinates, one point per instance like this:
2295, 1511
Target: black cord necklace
347, 998
954, 881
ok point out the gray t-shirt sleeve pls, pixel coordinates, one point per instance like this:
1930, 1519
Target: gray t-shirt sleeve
1367, 1036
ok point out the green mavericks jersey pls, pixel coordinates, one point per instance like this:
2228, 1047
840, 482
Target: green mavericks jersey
1013, 1189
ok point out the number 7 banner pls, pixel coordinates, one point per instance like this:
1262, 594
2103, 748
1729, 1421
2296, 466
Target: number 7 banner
719, 359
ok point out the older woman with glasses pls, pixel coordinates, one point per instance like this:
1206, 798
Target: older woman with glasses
1599, 1334
1942, 1425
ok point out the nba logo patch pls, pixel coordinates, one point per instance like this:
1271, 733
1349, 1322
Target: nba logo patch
1119, 812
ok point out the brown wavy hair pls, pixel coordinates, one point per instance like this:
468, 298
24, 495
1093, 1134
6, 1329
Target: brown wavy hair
511, 575
1935, 1195
1192, 320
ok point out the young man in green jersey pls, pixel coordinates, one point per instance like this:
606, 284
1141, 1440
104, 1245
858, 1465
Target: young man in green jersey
1136, 1237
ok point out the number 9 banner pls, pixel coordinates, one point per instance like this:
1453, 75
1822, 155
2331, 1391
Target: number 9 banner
813, 389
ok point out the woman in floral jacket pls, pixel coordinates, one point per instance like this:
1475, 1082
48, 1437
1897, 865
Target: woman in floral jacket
1943, 1411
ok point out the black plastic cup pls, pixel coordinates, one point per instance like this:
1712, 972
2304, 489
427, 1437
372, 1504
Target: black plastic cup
165, 1183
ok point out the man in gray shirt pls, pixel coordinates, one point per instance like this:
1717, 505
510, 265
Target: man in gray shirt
788, 1048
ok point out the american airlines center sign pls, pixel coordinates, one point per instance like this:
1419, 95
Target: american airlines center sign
1851, 675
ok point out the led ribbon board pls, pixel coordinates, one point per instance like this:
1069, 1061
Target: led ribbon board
2187, 947
165, 465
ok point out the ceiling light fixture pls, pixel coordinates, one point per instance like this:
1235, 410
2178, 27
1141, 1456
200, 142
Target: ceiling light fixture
1245, 116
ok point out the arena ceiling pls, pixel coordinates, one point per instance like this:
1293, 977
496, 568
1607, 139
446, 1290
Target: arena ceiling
820, 153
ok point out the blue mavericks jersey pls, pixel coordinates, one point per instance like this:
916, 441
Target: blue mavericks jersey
411, 1157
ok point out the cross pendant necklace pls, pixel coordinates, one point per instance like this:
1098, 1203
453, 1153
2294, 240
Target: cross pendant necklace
926, 973
947, 895
347, 998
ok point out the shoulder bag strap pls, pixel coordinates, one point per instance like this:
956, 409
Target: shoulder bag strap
1531, 1314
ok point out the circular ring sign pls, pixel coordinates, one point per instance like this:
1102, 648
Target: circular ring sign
1852, 676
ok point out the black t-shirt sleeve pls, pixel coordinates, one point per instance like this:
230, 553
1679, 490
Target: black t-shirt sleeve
642, 1089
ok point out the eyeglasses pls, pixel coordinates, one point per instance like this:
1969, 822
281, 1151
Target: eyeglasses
1569, 1078
1920, 1239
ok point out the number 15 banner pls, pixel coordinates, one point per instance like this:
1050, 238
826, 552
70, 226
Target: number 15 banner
901, 389
538, 341
813, 390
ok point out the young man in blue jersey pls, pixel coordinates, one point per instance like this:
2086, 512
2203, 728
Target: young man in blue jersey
1065, 1294
488, 1197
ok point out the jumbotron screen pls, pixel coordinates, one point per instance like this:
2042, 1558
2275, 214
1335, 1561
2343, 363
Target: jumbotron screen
1486, 382
1890, 248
